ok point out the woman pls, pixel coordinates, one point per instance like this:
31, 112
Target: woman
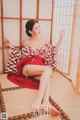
37, 62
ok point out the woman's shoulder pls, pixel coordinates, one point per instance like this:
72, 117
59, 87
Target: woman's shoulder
25, 42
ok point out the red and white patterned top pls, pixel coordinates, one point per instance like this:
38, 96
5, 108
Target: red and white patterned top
47, 51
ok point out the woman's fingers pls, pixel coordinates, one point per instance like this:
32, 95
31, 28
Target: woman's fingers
6, 42
5, 39
62, 32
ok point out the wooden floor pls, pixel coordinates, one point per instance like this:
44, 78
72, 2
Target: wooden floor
61, 91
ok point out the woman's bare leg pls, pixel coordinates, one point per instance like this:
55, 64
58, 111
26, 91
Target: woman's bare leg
46, 94
37, 77
50, 108
41, 73
45, 73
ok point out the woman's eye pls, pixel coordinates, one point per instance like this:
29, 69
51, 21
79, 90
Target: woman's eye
36, 28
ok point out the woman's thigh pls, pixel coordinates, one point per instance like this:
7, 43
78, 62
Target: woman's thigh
33, 70
37, 77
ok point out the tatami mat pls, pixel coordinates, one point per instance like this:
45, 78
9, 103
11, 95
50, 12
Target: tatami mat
5, 82
18, 102
44, 117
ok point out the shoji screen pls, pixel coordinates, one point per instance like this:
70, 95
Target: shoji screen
29, 11
11, 25
45, 12
35, 9
1, 58
75, 55
15, 14
63, 20
67, 17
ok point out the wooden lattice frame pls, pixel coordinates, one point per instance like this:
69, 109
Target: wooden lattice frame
20, 20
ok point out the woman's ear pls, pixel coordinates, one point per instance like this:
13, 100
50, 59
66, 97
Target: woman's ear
30, 32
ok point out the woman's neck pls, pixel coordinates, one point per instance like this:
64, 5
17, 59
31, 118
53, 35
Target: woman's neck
35, 37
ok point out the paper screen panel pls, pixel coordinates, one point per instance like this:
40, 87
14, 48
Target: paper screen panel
75, 50
74, 65
0, 34
45, 28
59, 3
29, 8
11, 8
63, 20
1, 62
45, 9
11, 31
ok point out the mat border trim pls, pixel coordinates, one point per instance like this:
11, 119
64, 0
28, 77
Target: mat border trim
26, 116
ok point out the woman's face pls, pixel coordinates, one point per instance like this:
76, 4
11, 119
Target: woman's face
36, 29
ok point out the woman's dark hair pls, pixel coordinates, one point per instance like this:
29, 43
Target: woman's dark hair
29, 26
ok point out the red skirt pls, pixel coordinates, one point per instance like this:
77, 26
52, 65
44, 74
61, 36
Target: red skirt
21, 80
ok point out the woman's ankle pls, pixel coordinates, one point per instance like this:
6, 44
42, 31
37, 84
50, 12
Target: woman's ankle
37, 102
45, 102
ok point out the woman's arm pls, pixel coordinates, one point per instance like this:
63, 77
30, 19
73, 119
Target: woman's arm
61, 38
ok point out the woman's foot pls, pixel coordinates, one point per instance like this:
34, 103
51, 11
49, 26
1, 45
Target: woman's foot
50, 109
36, 105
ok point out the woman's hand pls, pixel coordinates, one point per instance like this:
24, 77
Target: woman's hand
62, 32
7, 42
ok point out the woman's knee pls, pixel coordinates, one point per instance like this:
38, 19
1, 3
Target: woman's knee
50, 79
25, 70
